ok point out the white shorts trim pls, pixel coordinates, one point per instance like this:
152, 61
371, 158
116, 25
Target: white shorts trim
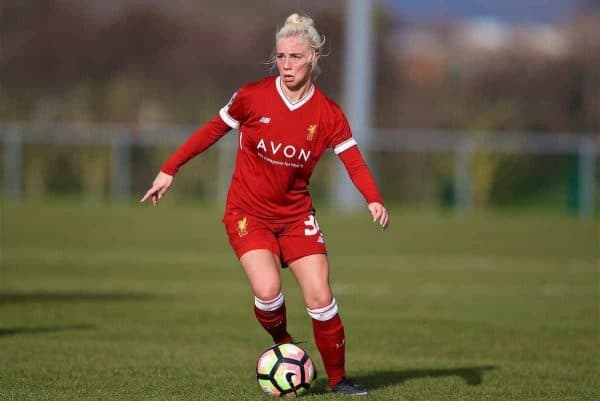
347, 144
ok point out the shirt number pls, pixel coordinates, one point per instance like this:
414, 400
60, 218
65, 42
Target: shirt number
312, 226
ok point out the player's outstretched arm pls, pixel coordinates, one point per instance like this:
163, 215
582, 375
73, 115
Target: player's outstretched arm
379, 214
363, 180
160, 186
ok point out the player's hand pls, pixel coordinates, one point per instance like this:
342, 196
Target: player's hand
160, 186
379, 214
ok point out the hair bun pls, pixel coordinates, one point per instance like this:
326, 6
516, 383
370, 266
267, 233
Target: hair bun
302, 27
297, 19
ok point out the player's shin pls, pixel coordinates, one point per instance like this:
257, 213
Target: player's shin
271, 314
330, 340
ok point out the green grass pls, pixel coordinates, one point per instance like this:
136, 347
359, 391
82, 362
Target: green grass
135, 303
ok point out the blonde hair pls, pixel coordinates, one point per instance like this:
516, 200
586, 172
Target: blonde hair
302, 26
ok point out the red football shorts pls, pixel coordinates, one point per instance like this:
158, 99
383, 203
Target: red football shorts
290, 241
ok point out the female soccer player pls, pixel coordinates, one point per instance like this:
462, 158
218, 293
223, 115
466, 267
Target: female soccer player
285, 124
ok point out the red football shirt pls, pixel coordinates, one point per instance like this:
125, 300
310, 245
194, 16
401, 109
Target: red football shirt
280, 143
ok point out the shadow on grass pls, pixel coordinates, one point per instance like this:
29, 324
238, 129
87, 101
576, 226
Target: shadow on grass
74, 296
473, 376
12, 331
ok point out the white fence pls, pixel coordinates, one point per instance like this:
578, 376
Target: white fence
463, 146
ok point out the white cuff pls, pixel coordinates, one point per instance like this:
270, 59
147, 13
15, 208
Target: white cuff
227, 119
324, 314
269, 306
347, 144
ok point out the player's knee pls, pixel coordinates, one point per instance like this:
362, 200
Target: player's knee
318, 299
269, 302
324, 313
267, 290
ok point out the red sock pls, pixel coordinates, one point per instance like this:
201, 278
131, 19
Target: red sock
275, 323
330, 340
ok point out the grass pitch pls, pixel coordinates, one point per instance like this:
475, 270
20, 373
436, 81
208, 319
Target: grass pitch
135, 303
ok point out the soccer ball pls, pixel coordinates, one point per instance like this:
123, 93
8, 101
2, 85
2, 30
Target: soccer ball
285, 370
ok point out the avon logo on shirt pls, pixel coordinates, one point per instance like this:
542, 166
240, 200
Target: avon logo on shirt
270, 150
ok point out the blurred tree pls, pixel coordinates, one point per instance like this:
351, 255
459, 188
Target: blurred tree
143, 62
42, 45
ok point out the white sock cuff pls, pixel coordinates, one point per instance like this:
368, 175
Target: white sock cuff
324, 314
269, 306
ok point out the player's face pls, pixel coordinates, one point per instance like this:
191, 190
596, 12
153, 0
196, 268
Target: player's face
294, 61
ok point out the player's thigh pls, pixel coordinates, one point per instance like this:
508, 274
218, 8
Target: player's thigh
312, 274
262, 268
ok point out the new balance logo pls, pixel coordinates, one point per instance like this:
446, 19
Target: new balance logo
265, 120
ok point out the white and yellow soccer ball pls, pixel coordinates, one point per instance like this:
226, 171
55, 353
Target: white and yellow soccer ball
285, 370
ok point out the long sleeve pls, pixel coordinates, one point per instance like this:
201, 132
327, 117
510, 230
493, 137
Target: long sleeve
197, 143
360, 174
